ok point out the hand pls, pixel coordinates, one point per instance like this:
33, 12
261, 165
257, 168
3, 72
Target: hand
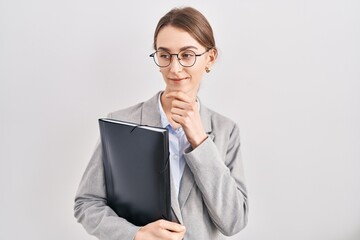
161, 229
184, 111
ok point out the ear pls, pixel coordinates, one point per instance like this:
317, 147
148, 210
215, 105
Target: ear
211, 57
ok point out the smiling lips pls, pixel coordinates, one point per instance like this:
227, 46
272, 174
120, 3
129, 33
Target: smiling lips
178, 79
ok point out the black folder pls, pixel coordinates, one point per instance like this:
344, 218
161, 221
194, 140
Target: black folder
137, 170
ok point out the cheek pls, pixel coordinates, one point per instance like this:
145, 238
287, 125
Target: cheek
196, 76
162, 71
198, 71
200, 68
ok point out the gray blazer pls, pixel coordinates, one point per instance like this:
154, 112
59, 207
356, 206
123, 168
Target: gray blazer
212, 200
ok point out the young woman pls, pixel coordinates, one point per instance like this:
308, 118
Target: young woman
209, 198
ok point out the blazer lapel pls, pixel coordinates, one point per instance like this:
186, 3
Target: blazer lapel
174, 202
150, 115
187, 181
186, 184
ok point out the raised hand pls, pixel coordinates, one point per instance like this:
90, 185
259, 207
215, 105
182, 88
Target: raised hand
184, 111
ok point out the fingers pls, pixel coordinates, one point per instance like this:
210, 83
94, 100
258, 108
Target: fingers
181, 101
181, 105
182, 108
171, 226
161, 229
185, 112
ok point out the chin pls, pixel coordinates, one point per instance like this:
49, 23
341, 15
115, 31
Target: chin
177, 88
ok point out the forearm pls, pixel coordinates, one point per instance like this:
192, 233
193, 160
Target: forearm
91, 208
223, 191
101, 221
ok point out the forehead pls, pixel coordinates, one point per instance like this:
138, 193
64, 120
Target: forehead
174, 39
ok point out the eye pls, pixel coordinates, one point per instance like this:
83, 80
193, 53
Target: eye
187, 54
163, 55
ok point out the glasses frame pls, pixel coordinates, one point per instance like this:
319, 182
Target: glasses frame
177, 57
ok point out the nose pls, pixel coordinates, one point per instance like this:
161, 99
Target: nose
175, 66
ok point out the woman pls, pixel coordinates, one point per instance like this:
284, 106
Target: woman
209, 198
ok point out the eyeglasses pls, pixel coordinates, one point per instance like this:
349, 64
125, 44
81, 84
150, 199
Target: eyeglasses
186, 58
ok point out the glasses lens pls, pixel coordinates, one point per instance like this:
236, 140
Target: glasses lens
162, 58
187, 58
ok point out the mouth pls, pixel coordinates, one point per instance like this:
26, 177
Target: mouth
178, 79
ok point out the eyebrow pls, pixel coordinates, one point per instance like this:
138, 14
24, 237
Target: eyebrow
181, 49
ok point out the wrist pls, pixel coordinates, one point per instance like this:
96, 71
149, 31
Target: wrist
196, 142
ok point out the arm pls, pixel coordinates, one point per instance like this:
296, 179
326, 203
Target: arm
221, 182
217, 169
98, 219
91, 208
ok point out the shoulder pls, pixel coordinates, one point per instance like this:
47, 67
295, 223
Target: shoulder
131, 113
137, 113
219, 121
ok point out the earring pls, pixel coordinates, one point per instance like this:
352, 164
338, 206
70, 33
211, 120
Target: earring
207, 70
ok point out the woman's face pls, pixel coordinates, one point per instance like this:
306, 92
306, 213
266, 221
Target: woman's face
177, 77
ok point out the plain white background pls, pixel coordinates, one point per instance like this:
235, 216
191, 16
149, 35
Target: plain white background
288, 73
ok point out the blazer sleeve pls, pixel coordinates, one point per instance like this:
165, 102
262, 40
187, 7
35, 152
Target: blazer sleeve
221, 181
91, 208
